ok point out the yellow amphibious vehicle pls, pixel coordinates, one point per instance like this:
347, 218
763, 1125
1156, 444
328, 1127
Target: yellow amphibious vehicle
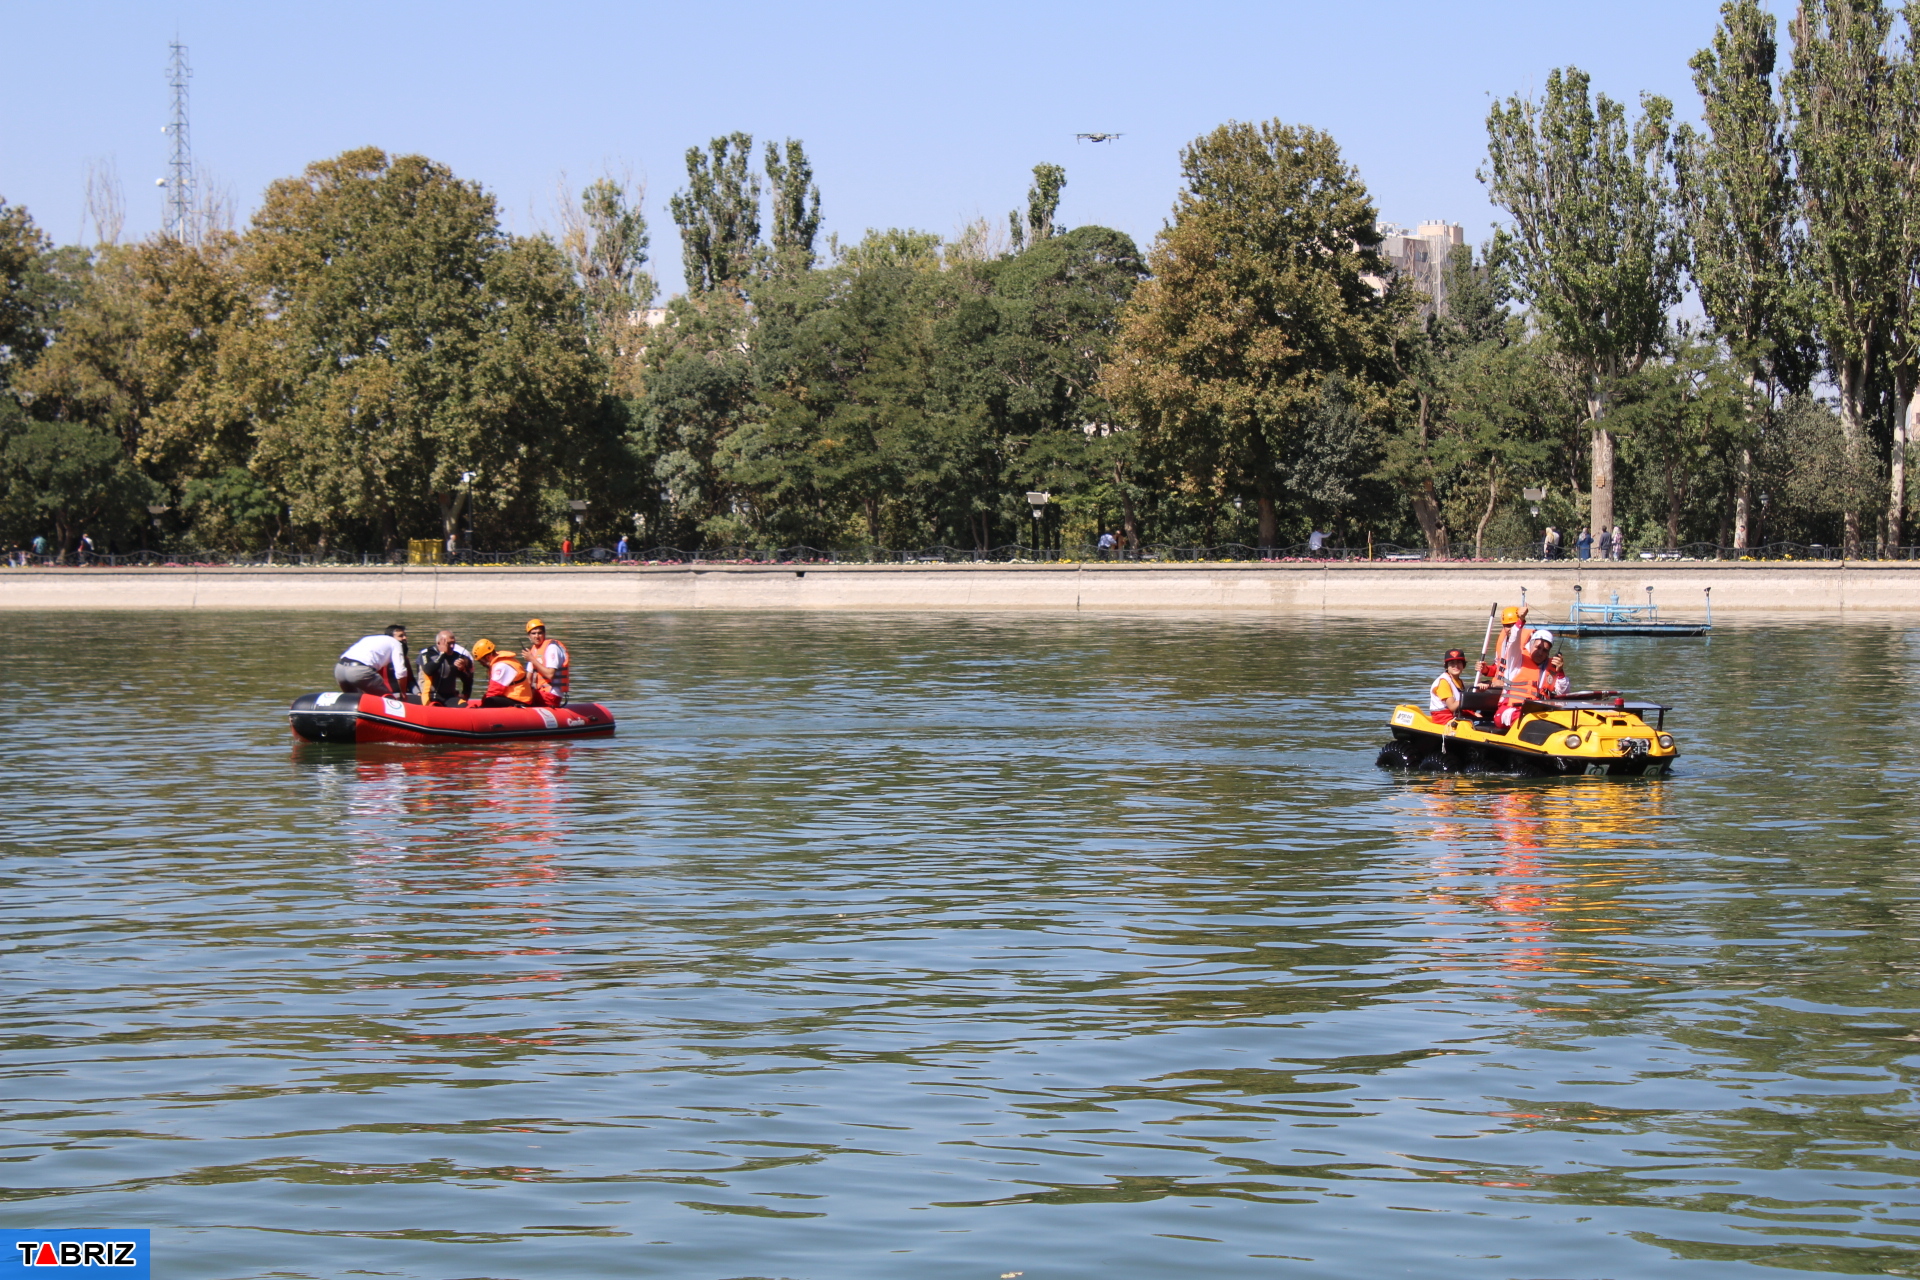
1597, 732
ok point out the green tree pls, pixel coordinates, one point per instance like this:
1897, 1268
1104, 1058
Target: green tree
1259, 293
796, 209
1596, 252
719, 216
1740, 209
1502, 408
841, 376
1032, 359
1043, 202
71, 476
140, 354
699, 391
1425, 352
28, 296
606, 241
1680, 417
400, 340
1853, 141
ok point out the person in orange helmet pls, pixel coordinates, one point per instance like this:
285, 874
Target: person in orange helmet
1528, 679
508, 684
548, 661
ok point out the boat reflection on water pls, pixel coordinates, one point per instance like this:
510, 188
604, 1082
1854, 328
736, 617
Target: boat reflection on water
499, 807
1546, 865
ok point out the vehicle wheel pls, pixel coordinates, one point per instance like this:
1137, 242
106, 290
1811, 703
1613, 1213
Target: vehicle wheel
1398, 755
1438, 764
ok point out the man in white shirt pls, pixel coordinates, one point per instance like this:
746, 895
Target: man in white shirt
547, 663
375, 664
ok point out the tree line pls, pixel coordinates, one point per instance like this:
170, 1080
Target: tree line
374, 358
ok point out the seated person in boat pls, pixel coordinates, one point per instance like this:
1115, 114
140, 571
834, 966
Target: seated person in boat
508, 682
1525, 680
1443, 698
446, 672
376, 664
548, 661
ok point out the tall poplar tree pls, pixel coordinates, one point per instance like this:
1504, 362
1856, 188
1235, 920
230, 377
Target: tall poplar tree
1043, 201
719, 215
1852, 138
796, 209
1595, 249
1740, 206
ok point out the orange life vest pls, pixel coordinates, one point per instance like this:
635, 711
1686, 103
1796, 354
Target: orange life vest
1527, 680
1514, 640
516, 686
558, 685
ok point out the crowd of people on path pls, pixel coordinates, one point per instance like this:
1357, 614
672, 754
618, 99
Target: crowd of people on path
41, 551
1525, 668
1610, 545
445, 671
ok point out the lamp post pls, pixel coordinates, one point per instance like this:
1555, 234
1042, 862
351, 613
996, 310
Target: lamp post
466, 481
1039, 502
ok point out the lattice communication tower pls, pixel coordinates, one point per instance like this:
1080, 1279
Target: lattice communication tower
180, 221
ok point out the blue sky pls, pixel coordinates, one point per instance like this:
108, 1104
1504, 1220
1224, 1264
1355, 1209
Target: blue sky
922, 116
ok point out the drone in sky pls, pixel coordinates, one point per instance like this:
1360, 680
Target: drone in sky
1095, 137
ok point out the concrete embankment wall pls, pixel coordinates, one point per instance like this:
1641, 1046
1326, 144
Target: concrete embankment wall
1335, 588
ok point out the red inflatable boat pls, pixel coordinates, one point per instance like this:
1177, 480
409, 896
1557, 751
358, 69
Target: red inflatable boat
363, 717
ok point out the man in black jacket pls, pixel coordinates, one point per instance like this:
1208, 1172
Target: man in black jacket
446, 672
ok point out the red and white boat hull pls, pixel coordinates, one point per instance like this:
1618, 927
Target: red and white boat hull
364, 717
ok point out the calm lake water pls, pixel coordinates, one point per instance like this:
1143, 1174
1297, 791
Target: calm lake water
948, 947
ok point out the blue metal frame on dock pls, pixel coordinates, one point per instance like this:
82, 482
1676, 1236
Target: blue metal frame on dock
1616, 619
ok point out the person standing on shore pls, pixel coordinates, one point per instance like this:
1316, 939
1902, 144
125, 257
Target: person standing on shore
376, 664
1583, 545
1619, 542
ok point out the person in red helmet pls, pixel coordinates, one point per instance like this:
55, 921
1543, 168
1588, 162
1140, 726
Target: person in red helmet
1443, 698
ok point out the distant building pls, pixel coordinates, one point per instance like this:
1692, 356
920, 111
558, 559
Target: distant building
1420, 257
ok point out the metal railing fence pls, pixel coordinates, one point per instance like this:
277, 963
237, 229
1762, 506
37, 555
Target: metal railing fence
1162, 553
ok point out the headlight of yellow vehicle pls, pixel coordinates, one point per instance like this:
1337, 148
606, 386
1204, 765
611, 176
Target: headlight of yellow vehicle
1666, 742
1572, 740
